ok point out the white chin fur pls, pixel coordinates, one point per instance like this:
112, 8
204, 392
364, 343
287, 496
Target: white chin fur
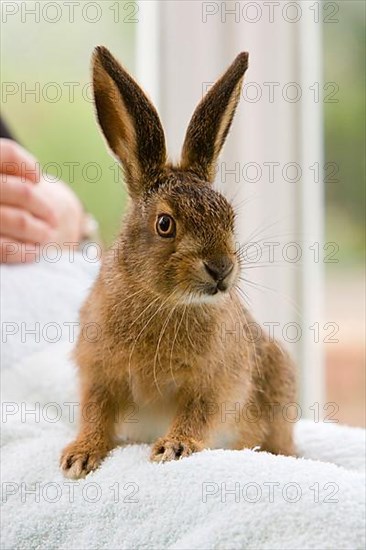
198, 299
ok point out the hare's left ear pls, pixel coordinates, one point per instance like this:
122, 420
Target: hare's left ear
211, 121
129, 122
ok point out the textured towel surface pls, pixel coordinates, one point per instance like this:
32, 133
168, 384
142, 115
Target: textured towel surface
40, 302
215, 499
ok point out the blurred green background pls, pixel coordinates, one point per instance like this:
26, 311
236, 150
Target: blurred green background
64, 131
344, 64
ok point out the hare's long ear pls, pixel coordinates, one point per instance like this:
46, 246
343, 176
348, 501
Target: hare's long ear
129, 122
211, 121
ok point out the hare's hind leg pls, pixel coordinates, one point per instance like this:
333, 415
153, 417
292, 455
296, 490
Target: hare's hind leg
277, 400
279, 439
270, 430
279, 390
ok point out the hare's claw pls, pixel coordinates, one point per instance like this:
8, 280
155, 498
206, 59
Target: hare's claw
79, 459
166, 449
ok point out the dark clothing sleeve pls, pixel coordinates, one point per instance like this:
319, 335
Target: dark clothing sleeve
4, 130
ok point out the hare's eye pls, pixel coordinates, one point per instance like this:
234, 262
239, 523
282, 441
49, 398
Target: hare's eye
165, 226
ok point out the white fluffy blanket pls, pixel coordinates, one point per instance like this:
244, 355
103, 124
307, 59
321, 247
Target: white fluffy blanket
215, 499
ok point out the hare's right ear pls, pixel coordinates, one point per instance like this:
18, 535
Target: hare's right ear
211, 121
129, 122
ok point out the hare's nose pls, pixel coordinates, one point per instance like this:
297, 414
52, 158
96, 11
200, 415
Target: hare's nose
219, 268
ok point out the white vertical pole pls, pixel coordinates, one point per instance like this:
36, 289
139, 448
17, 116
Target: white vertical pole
148, 48
312, 209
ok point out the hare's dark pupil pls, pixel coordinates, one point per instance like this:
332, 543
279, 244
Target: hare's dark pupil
164, 224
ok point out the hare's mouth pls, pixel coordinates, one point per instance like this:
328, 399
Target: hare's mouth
216, 288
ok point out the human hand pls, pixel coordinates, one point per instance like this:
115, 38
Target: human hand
33, 211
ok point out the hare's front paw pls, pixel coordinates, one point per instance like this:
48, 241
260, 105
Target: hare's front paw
166, 448
79, 458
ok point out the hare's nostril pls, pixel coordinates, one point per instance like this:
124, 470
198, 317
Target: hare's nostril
219, 269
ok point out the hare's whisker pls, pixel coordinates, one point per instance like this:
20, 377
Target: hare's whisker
174, 339
162, 331
262, 288
147, 323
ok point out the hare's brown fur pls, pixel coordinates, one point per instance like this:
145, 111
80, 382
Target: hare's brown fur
157, 336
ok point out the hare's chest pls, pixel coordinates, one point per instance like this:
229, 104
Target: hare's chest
156, 382
145, 424
152, 411
154, 392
